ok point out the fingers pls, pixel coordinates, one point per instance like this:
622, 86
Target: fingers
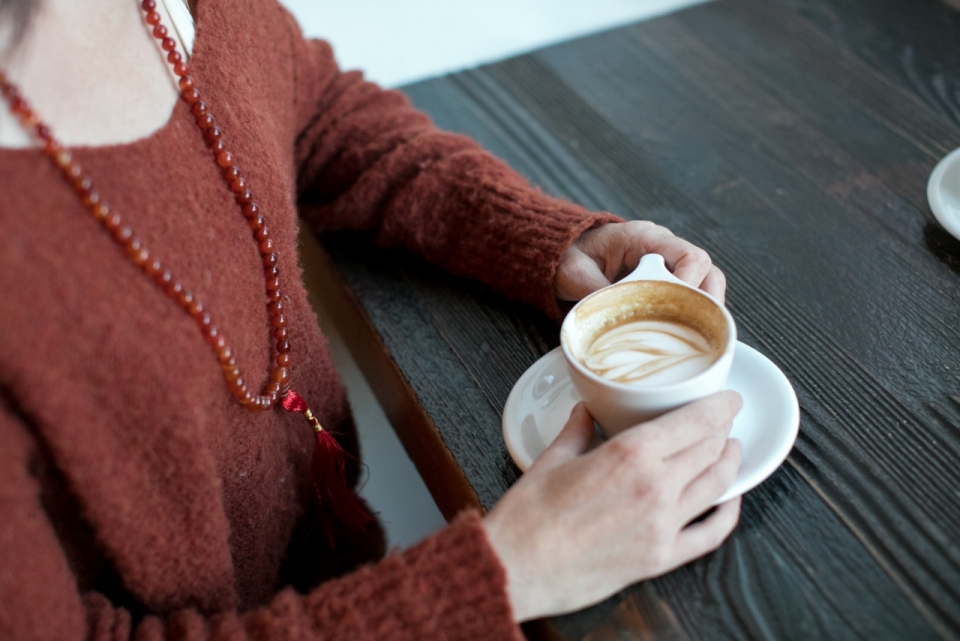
578, 275
688, 262
714, 479
573, 440
682, 428
715, 284
706, 536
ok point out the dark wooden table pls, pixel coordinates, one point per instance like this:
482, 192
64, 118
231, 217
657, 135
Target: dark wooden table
792, 139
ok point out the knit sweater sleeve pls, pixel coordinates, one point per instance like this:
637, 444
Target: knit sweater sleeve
367, 160
450, 586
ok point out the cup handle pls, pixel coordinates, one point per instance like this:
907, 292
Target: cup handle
652, 267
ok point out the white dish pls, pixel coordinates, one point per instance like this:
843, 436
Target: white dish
542, 398
943, 192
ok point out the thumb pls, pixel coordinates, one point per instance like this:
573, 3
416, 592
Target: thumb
578, 275
573, 440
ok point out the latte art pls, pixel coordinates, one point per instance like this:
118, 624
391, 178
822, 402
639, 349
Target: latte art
649, 352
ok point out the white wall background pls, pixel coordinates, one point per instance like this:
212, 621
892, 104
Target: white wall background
397, 42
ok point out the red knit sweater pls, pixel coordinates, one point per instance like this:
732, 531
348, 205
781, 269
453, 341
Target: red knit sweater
138, 499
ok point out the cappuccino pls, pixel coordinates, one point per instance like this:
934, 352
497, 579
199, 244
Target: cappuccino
649, 352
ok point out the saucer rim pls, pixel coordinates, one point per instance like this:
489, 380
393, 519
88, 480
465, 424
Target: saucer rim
949, 221
771, 464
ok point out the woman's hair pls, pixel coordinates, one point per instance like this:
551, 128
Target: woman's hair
15, 15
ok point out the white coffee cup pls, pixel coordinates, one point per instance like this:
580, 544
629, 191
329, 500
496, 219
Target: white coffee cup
650, 291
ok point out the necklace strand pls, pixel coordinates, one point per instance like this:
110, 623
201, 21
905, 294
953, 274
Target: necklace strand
277, 387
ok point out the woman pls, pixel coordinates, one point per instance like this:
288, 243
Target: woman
146, 490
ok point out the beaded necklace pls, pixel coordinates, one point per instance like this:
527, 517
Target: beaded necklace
329, 465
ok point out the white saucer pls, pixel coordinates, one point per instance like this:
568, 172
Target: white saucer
943, 192
540, 403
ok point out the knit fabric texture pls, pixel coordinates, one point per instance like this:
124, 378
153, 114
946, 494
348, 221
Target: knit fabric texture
138, 499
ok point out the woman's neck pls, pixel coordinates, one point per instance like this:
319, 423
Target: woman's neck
92, 71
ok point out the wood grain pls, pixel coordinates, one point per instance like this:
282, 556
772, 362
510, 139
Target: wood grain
791, 139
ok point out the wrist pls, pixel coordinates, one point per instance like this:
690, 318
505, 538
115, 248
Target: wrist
519, 595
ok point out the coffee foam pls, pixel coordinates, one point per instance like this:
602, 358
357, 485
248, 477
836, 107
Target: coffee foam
649, 352
647, 333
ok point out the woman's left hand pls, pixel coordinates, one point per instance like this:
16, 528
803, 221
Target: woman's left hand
605, 254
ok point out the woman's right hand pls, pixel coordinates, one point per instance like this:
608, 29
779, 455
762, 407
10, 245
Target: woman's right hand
580, 526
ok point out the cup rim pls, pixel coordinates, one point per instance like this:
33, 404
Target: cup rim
727, 350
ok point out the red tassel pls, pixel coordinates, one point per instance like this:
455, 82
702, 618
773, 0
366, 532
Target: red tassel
328, 471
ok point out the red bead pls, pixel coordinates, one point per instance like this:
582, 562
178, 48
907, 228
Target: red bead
173, 289
280, 334
195, 308
63, 159
257, 223
250, 210
262, 234
74, 172
244, 197
278, 320
19, 106
191, 96
159, 32
212, 134
275, 295
153, 18
205, 121
225, 159
82, 185
164, 279
91, 199
123, 234
272, 388
231, 173
140, 257
148, 5
43, 132
266, 246
283, 359
280, 375
112, 221
174, 57
218, 344
199, 108
185, 298
29, 120
238, 186
203, 320
100, 210
180, 69
210, 332
224, 353
283, 347
52, 147
273, 272
168, 44
153, 267
134, 247
273, 284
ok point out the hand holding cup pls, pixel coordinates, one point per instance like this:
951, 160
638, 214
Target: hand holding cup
580, 526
